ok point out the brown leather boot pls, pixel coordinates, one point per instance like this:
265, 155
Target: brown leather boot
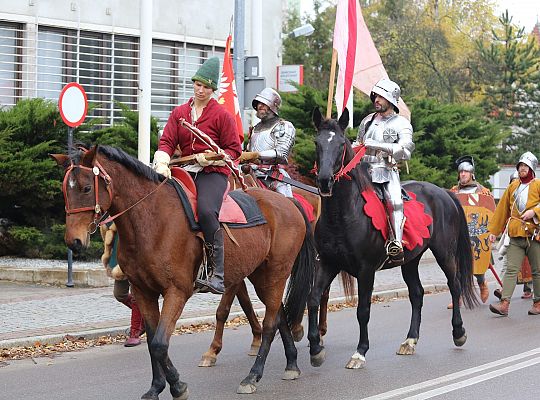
484, 291
500, 308
535, 310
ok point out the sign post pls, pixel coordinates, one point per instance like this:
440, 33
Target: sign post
73, 106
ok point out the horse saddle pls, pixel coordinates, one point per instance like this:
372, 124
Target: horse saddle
238, 210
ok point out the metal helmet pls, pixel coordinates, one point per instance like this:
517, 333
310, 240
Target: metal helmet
269, 97
389, 90
528, 159
465, 163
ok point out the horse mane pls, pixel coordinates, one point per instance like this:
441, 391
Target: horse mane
360, 173
130, 162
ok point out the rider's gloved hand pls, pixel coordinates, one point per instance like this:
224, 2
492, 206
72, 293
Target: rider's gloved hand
248, 156
204, 162
161, 163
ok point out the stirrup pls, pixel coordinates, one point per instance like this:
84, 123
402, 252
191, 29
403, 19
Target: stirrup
204, 286
394, 251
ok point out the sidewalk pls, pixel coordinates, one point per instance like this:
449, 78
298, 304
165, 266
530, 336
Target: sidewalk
31, 312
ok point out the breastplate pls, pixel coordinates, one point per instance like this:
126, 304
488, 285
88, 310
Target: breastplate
520, 196
262, 137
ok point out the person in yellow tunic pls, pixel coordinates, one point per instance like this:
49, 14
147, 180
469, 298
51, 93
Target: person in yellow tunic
518, 212
467, 184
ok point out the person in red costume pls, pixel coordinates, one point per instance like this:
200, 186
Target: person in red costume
210, 176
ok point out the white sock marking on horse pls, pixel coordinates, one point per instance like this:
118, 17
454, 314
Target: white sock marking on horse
332, 134
358, 356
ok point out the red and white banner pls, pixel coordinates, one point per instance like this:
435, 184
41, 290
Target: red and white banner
359, 62
227, 90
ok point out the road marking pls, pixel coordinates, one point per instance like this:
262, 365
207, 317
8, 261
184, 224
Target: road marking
461, 374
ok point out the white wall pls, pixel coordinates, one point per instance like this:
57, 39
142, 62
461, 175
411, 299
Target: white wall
195, 21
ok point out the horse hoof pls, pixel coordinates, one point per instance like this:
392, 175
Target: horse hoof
207, 362
291, 375
460, 341
298, 334
357, 361
254, 351
407, 348
183, 396
318, 359
248, 388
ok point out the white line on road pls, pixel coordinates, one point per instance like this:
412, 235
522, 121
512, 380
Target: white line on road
461, 374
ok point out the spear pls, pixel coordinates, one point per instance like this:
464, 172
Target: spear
207, 140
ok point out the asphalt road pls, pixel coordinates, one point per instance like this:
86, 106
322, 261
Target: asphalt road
501, 360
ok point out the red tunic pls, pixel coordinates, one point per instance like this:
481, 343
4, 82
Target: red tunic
215, 121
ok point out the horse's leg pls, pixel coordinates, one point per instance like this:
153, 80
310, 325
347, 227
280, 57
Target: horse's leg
323, 313
449, 268
409, 272
256, 328
291, 370
209, 358
149, 306
173, 304
323, 279
365, 290
271, 297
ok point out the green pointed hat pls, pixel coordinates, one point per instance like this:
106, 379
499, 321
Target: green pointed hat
208, 73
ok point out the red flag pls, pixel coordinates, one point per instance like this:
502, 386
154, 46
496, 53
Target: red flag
227, 90
359, 62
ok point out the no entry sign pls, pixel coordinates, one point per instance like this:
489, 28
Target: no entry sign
73, 104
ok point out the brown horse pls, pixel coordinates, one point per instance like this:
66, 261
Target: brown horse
151, 221
209, 358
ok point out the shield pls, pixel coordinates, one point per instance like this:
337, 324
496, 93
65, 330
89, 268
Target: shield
479, 210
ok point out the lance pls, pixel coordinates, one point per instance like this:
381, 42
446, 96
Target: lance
207, 140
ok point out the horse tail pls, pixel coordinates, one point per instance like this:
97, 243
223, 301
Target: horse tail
464, 258
302, 274
349, 286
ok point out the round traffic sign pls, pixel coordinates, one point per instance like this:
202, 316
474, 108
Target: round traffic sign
73, 104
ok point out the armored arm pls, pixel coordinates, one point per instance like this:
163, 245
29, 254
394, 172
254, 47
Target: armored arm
362, 130
284, 134
398, 140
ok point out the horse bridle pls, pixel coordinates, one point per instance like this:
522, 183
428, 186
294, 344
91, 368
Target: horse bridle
343, 171
100, 215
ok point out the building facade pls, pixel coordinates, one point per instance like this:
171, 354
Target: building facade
45, 44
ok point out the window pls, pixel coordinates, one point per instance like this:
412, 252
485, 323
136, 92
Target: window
10, 63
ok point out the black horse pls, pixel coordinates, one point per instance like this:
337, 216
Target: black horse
347, 241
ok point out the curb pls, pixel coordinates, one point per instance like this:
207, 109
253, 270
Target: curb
392, 294
56, 276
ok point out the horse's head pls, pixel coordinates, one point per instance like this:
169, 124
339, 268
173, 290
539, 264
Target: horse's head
87, 195
330, 151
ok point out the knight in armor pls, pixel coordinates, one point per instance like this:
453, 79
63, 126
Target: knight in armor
210, 176
270, 141
388, 138
518, 213
467, 184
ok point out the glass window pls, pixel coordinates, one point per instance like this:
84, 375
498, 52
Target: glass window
10, 63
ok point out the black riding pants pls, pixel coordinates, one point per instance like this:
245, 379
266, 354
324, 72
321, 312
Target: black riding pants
210, 190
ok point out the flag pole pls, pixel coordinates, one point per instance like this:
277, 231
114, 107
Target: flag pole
331, 84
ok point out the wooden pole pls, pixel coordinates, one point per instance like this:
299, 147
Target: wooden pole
331, 84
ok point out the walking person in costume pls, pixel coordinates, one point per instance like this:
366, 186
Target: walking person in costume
388, 138
270, 141
467, 184
518, 213
210, 176
121, 289
524, 276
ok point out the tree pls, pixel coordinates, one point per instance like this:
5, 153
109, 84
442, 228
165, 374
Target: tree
507, 62
444, 132
314, 52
